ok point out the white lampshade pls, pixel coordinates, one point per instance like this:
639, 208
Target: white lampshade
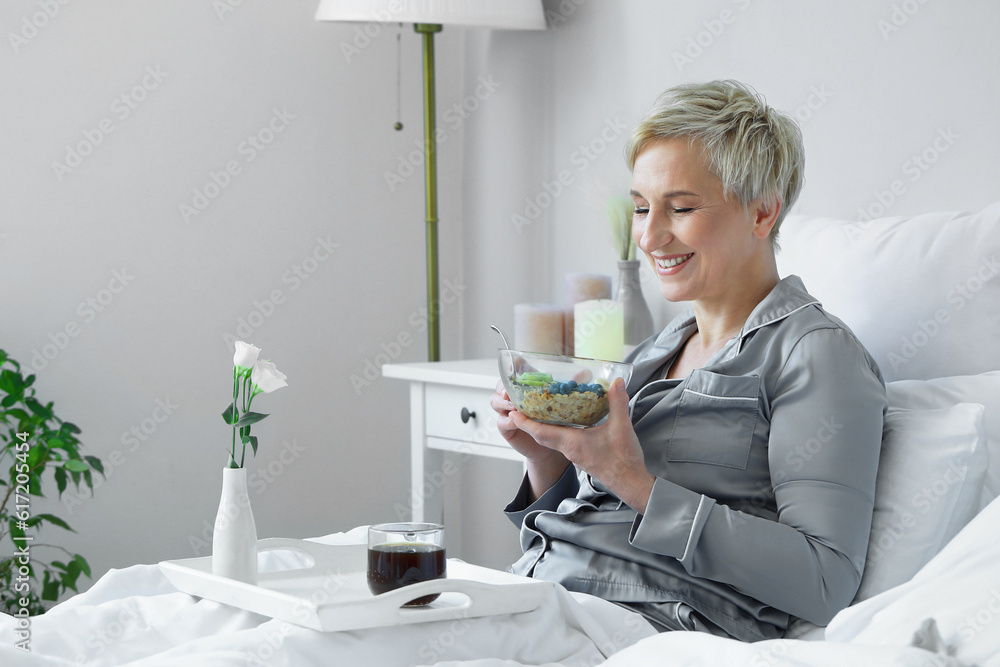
503, 14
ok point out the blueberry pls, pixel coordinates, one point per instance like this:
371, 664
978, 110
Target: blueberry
571, 385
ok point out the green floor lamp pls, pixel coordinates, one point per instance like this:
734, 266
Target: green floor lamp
428, 17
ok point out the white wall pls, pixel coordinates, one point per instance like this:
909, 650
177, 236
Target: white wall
600, 66
160, 337
872, 83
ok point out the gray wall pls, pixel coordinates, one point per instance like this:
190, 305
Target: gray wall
870, 98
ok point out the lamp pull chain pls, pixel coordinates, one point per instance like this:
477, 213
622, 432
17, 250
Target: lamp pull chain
399, 79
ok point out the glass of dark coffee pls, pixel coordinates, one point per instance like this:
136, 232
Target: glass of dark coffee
400, 554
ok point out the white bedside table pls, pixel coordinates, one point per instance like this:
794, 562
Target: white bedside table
449, 412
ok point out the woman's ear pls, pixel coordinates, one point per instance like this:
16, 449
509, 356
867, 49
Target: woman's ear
766, 214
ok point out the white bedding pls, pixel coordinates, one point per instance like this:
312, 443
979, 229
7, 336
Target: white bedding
135, 617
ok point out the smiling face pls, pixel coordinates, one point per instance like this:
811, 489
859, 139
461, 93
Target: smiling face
701, 246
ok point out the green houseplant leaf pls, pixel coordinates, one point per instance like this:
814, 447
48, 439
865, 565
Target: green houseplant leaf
40, 447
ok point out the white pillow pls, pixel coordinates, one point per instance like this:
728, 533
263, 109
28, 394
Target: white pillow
959, 588
947, 391
921, 292
930, 477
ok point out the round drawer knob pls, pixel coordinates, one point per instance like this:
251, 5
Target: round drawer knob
466, 415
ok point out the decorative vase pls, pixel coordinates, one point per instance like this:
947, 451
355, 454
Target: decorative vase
638, 318
234, 540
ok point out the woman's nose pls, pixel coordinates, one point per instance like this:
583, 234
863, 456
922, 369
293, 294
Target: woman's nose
654, 233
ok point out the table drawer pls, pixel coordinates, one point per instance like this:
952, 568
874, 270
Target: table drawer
443, 414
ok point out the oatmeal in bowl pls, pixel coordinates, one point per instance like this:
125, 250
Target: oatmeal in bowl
553, 389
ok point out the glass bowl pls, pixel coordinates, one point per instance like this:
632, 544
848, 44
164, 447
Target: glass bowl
553, 389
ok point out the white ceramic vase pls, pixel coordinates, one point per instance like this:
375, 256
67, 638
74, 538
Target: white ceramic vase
638, 318
234, 540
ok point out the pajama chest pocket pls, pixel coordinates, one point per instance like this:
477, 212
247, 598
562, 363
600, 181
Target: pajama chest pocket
715, 420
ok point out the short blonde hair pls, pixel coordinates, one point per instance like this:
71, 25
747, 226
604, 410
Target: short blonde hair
753, 149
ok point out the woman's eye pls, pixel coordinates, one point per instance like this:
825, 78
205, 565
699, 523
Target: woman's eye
683, 210
639, 210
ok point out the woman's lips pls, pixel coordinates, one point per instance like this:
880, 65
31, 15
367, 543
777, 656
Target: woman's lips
666, 266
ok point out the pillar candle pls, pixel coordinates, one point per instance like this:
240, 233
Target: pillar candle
582, 287
600, 330
538, 327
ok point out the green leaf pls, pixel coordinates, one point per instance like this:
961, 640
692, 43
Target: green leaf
249, 418
51, 518
43, 411
60, 474
229, 414
11, 383
70, 427
72, 573
35, 484
95, 463
84, 565
252, 441
75, 465
18, 413
9, 400
15, 532
50, 589
37, 455
56, 443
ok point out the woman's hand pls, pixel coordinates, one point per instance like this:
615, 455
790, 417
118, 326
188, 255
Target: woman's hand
544, 465
610, 452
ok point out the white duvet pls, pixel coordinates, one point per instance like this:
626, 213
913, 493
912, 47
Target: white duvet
948, 614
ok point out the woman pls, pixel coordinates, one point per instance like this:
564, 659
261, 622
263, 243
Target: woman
731, 488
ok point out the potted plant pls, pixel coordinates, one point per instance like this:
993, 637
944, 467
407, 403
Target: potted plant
34, 441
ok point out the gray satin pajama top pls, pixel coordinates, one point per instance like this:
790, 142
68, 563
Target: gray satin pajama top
765, 461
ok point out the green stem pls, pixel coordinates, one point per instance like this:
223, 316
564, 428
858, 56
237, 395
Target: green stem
236, 391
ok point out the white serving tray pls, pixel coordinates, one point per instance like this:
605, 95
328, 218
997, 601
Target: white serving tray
331, 593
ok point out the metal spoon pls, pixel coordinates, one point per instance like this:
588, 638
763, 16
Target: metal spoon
492, 326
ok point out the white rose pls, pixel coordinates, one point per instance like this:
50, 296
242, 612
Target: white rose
246, 355
266, 378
